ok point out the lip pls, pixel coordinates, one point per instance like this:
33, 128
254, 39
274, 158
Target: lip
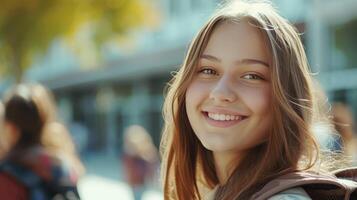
222, 124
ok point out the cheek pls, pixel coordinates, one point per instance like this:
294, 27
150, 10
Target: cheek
196, 93
257, 99
10, 135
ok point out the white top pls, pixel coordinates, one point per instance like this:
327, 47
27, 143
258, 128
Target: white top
290, 194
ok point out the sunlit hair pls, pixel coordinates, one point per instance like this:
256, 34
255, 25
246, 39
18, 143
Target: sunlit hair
45, 102
188, 166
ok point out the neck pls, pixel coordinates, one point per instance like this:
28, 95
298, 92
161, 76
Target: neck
225, 163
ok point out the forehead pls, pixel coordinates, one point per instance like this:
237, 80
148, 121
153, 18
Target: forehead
237, 40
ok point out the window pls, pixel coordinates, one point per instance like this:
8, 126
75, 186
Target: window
344, 43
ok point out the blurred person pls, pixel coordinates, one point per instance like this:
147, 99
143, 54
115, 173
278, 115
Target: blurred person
139, 159
239, 114
40, 160
346, 140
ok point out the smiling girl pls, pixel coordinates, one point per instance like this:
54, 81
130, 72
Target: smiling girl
239, 111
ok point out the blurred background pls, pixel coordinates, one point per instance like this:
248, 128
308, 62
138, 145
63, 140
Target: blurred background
108, 61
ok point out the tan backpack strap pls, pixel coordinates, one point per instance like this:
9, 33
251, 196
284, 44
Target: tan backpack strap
300, 179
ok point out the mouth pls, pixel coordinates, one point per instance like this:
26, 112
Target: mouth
223, 120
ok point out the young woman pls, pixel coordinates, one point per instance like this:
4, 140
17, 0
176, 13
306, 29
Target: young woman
36, 147
239, 111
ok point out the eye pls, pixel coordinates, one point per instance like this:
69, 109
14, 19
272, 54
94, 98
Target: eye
208, 71
252, 77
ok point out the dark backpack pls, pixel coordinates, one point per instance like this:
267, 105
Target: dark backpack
38, 188
342, 185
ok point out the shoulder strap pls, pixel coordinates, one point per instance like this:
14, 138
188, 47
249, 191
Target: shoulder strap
318, 186
347, 173
26, 177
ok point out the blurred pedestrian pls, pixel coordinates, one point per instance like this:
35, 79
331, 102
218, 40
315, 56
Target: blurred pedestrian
139, 159
346, 140
238, 113
40, 160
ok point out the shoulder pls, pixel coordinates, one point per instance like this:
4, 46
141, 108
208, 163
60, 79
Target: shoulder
291, 194
50, 166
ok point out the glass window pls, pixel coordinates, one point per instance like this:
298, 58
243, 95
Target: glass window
344, 45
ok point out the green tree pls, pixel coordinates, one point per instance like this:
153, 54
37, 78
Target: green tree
28, 27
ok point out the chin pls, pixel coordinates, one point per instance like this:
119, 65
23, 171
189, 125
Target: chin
214, 146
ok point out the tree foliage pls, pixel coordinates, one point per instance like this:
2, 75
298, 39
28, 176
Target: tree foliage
28, 27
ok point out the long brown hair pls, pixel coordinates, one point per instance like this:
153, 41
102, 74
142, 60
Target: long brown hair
23, 113
188, 166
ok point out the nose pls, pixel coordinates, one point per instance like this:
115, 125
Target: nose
223, 91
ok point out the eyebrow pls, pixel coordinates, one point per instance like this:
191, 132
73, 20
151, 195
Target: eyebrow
243, 61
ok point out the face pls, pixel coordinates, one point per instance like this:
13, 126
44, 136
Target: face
228, 101
9, 136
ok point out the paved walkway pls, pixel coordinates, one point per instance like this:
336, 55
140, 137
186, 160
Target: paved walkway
104, 181
93, 187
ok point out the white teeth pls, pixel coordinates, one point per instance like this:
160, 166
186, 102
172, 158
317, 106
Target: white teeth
223, 117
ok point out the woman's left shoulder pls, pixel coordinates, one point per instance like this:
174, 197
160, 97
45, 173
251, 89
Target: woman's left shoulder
291, 194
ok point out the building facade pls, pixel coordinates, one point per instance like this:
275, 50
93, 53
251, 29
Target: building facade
128, 88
